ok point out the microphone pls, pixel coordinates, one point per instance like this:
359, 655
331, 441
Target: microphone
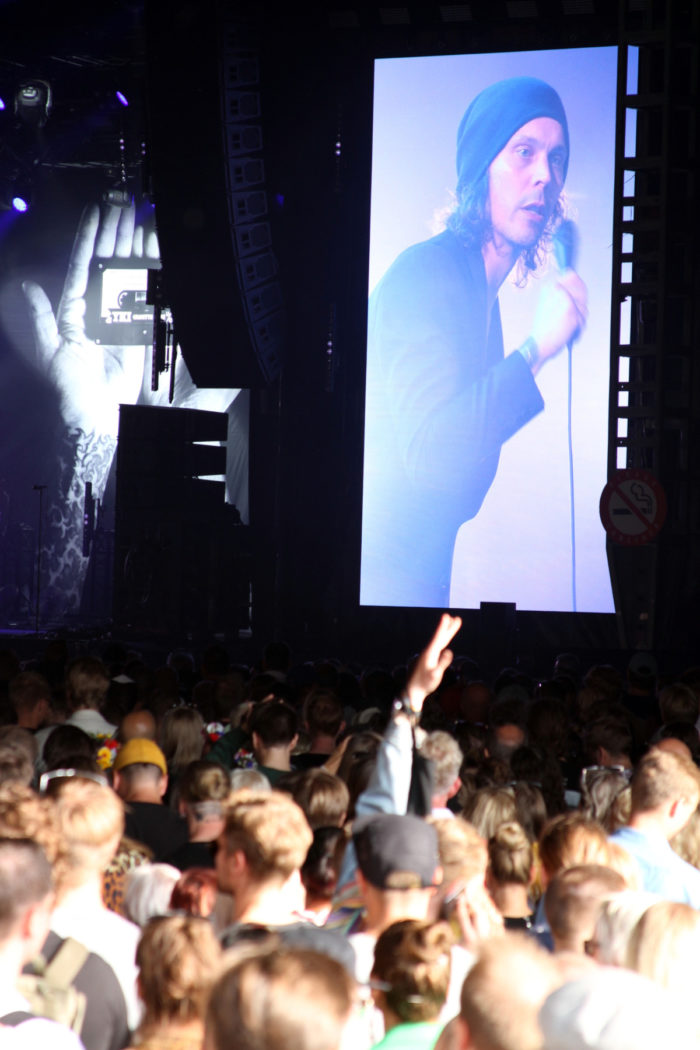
566, 241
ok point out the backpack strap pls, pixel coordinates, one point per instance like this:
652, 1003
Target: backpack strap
17, 1017
66, 963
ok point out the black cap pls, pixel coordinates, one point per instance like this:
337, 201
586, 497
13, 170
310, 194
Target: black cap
396, 852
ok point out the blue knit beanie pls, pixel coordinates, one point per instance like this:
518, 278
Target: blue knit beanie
493, 118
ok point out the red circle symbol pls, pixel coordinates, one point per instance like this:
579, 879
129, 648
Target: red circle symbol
632, 507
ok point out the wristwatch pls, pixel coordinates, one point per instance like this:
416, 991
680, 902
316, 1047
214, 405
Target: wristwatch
402, 705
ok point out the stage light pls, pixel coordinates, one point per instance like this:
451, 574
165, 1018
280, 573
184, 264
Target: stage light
121, 98
20, 204
2, 103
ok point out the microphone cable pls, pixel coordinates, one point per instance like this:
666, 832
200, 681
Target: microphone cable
572, 501
566, 243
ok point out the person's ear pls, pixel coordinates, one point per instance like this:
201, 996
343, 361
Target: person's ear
238, 862
295, 741
682, 808
163, 784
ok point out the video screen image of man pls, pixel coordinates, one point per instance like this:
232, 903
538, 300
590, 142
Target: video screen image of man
445, 391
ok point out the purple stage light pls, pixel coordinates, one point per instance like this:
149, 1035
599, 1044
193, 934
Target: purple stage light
122, 98
20, 204
2, 103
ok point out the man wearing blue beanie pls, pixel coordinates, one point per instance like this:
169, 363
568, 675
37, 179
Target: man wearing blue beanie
442, 395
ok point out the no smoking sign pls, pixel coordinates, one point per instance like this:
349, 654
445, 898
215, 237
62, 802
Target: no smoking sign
632, 507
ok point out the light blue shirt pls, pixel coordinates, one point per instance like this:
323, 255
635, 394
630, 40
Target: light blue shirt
663, 871
388, 788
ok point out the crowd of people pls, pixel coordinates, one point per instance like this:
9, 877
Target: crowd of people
201, 855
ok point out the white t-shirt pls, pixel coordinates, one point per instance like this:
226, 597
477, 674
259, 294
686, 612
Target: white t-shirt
108, 935
91, 722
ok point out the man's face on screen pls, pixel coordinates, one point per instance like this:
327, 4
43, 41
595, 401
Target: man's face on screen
525, 180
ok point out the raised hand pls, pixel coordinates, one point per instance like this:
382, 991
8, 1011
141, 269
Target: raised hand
432, 662
91, 379
477, 917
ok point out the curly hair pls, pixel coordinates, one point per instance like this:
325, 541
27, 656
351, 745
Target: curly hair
470, 221
24, 815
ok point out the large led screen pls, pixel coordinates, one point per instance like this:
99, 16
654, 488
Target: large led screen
486, 419
76, 340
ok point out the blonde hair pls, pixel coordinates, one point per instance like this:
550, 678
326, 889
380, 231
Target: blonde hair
617, 919
91, 822
490, 807
178, 958
271, 831
665, 946
461, 848
511, 855
413, 959
24, 815
87, 682
686, 843
204, 781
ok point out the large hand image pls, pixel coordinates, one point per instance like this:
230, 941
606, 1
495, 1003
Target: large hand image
91, 381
